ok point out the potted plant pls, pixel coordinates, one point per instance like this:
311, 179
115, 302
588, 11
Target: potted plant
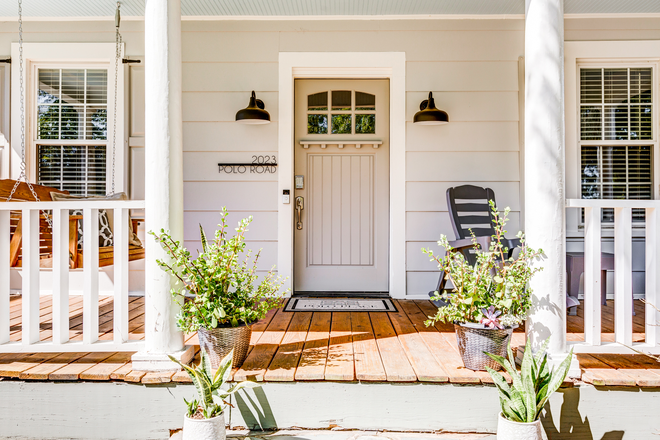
522, 402
227, 297
489, 298
205, 417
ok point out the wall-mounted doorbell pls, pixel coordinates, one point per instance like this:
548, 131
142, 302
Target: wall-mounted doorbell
286, 196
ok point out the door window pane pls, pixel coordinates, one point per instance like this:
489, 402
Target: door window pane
365, 101
341, 124
317, 101
341, 100
365, 123
317, 124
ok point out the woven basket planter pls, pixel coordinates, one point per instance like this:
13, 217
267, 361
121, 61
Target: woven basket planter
474, 341
218, 342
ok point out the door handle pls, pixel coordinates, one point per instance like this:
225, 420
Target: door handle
300, 205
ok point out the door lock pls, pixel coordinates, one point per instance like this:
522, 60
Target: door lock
299, 207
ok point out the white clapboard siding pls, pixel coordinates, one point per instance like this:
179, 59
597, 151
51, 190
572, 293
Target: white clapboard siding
229, 77
267, 259
463, 136
227, 47
262, 228
222, 106
459, 166
230, 136
432, 196
419, 284
468, 106
473, 76
416, 260
438, 46
203, 166
237, 196
428, 226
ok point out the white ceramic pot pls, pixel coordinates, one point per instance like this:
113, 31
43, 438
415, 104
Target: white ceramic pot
204, 429
508, 430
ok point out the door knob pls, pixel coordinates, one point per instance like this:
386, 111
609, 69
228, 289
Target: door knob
300, 205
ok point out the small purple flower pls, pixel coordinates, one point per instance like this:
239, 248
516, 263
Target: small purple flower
490, 318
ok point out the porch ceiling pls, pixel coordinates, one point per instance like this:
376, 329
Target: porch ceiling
302, 8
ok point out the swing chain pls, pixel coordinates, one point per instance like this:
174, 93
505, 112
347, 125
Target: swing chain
118, 41
23, 174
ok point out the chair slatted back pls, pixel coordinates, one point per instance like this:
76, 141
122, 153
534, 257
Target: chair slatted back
469, 209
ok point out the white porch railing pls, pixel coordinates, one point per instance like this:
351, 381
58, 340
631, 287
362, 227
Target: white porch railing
31, 290
623, 300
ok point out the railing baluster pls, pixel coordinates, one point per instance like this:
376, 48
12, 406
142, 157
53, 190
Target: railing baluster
30, 266
592, 279
60, 276
5, 240
121, 226
623, 275
91, 275
652, 315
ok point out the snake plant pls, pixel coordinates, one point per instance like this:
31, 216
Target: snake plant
531, 387
209, 385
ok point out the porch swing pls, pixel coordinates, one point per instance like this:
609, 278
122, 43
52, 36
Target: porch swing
22, 190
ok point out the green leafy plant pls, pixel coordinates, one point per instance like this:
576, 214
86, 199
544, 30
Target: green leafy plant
223, 279
531, 387
211, 397
494, 284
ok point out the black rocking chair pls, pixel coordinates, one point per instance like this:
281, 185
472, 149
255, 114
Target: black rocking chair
469, 210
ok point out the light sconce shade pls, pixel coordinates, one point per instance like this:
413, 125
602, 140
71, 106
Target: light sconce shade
254, 113
429, 115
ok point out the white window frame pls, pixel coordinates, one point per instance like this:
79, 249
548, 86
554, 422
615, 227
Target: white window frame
603, 54
65, 55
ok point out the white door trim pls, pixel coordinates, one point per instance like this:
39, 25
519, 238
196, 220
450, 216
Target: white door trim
391, 65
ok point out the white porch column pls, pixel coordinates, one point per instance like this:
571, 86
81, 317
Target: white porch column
163, 178
545, 224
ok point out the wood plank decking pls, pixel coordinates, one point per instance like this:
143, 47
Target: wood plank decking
306, 346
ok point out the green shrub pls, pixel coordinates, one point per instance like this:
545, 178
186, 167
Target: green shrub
495, 289
223, 279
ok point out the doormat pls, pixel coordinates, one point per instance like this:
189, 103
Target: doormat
339, 305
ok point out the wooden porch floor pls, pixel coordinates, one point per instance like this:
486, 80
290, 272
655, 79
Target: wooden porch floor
306, 346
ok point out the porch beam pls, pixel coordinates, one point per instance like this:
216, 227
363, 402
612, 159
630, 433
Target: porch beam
545, 224
163, 177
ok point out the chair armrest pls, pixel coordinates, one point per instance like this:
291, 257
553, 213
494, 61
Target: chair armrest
466, 243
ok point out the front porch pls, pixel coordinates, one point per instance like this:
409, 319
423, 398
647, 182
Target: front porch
320, 346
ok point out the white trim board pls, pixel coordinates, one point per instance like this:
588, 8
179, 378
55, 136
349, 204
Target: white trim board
391, 65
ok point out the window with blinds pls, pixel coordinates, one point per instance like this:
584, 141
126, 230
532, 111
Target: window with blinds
616, 135
71, 130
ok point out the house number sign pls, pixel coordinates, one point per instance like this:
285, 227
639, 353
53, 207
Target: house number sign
259, 165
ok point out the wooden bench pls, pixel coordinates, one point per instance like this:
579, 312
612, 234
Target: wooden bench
23, 194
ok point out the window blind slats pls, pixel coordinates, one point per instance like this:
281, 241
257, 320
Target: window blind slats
615, 105
72, 105
78, 169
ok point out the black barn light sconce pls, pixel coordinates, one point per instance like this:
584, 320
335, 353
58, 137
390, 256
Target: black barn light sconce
429, 115
254, 113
